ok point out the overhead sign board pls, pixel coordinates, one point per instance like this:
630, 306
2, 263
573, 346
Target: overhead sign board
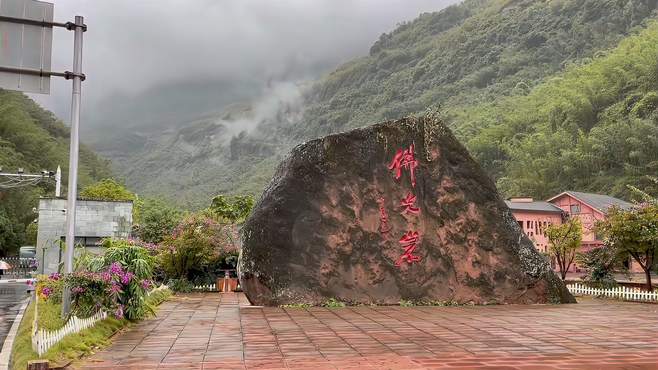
25, 46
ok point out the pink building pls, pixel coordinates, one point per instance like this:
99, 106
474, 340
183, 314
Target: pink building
533, 216
589, 208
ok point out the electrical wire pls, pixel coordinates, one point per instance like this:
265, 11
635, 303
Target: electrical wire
17, 181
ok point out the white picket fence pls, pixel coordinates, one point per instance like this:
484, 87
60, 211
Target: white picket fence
205, 288
620, 292
42, 339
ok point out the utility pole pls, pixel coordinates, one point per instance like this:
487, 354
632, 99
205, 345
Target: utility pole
78, 27
58, 182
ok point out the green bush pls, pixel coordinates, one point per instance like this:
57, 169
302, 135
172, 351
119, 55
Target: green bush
600, 263
198, 247
180, 285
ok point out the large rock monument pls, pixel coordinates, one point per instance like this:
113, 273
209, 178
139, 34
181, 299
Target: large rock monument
398, 210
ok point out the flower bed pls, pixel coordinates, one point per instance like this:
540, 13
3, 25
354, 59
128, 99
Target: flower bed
117, 283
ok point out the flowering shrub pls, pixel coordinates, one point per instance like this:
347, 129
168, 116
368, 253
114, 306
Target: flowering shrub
116, 281
49, 287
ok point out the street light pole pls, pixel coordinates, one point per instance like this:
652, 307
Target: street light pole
78, 28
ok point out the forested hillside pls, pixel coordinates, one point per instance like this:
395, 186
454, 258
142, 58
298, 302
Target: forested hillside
467, 54
481, 63
33, 139
593, 127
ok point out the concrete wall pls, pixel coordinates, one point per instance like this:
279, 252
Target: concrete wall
93, 219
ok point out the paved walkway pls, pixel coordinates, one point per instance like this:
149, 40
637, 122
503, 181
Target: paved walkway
212, 331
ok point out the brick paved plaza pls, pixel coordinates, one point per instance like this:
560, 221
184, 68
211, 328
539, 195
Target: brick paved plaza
217, 331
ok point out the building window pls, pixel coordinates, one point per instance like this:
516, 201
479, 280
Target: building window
575, 209
86, 241
520, 224
528, 224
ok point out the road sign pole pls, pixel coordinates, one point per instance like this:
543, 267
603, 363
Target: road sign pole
73, 157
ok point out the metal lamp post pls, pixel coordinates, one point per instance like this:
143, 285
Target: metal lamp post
25, 55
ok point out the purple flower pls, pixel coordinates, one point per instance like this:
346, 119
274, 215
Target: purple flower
55, 276
119, 312
125, 278
115, 268
106, 277
78, 290
146, 283
115, 288
46, 292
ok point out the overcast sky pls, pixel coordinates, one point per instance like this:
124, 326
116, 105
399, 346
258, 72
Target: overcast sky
135, 46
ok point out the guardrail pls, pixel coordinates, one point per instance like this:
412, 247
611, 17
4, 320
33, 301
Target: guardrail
19, 267
620, 292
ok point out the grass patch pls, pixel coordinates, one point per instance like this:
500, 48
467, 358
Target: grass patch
333, 303
73, 346
296, 305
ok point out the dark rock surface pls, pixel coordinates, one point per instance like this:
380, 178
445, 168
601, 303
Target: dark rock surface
331, 224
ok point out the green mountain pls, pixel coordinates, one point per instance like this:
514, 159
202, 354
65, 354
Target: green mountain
33, 139
487, 65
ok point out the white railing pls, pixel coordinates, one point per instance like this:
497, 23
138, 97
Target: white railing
42, 339
620, 292
205, 288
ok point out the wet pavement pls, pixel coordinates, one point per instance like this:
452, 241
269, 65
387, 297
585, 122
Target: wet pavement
218, 331
11, 297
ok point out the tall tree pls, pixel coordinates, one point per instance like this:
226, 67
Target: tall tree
157, 220
233, 209
633, 233
564, 241
107, 189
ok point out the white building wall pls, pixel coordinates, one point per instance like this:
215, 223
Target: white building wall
93, 219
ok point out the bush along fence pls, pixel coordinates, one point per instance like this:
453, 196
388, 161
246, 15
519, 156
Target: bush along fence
620, 292
42, 339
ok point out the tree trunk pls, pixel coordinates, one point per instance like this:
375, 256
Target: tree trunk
563, 272
647, 272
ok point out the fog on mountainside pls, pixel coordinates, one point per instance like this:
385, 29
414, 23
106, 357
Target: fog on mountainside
154, 64
223, 122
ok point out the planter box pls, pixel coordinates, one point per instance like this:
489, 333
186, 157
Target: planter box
227, 285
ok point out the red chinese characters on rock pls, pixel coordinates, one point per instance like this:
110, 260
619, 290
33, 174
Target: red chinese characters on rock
383, 216
409, 204
409, 242
405, 159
